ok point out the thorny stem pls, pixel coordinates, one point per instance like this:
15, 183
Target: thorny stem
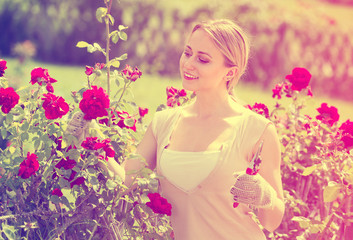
108, 43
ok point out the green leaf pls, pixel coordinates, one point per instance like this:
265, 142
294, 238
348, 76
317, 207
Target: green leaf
111, 19
100, 13
121, 27
122, 57
9, 118
3, 133
91, 49
25, 126
82, 44
303, 222
331, 192
54, 199
115, 36
97, 46
24, 136
36, 144
115, 63
123, 36
12, 149
309, 170
111, 185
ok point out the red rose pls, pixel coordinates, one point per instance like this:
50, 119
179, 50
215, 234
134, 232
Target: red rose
57, 192
174, 96
124, 121
259, 108
66, 164
99, 66
328, 115
143, 111
130, 74
93, 143
40, 75
250, 171
50, 88
277, 91
299, 78
72, 176
89, 70
94, 103
159, 204
29, 166
8, 99
77, 181
347, 133
2, 67
54, 106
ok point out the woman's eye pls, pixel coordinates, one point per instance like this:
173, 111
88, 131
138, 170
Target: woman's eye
203, 60
187, 54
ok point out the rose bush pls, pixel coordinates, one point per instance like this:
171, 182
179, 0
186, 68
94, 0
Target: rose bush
317, 166
54, 182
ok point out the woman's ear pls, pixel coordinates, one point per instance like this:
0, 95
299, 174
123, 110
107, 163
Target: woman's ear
231, 73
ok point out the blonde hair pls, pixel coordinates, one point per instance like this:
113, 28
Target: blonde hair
233, 43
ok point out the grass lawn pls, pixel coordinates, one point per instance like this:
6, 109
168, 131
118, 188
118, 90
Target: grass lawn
149, 91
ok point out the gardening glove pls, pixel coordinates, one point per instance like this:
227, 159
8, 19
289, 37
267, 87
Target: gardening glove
78, 127
251, 188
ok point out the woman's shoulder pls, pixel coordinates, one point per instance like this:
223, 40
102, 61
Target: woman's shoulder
164, 118
254, 117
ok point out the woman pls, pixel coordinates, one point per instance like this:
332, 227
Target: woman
198, 148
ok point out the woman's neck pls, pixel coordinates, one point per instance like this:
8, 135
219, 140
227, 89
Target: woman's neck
210, 104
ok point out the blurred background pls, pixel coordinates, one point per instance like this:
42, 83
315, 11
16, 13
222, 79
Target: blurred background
315, 34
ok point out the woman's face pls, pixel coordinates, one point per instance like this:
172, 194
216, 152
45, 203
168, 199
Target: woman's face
202, 65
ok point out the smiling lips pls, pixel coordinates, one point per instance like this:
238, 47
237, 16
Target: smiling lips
188, 76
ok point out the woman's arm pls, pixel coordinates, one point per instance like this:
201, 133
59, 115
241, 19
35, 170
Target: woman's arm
271, 172
147, 149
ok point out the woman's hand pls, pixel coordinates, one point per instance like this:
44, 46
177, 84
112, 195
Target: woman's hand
253, 190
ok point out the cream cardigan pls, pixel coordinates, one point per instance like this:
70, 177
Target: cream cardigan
206, 212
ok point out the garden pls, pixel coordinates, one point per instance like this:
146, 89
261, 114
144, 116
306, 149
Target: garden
53, 182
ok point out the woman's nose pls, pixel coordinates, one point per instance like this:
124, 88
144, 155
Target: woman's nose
189, 63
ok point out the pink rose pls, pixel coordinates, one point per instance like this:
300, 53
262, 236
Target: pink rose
94, 103
2, 67
54, 106
8, 99
299, 78
29, 166
328, 115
